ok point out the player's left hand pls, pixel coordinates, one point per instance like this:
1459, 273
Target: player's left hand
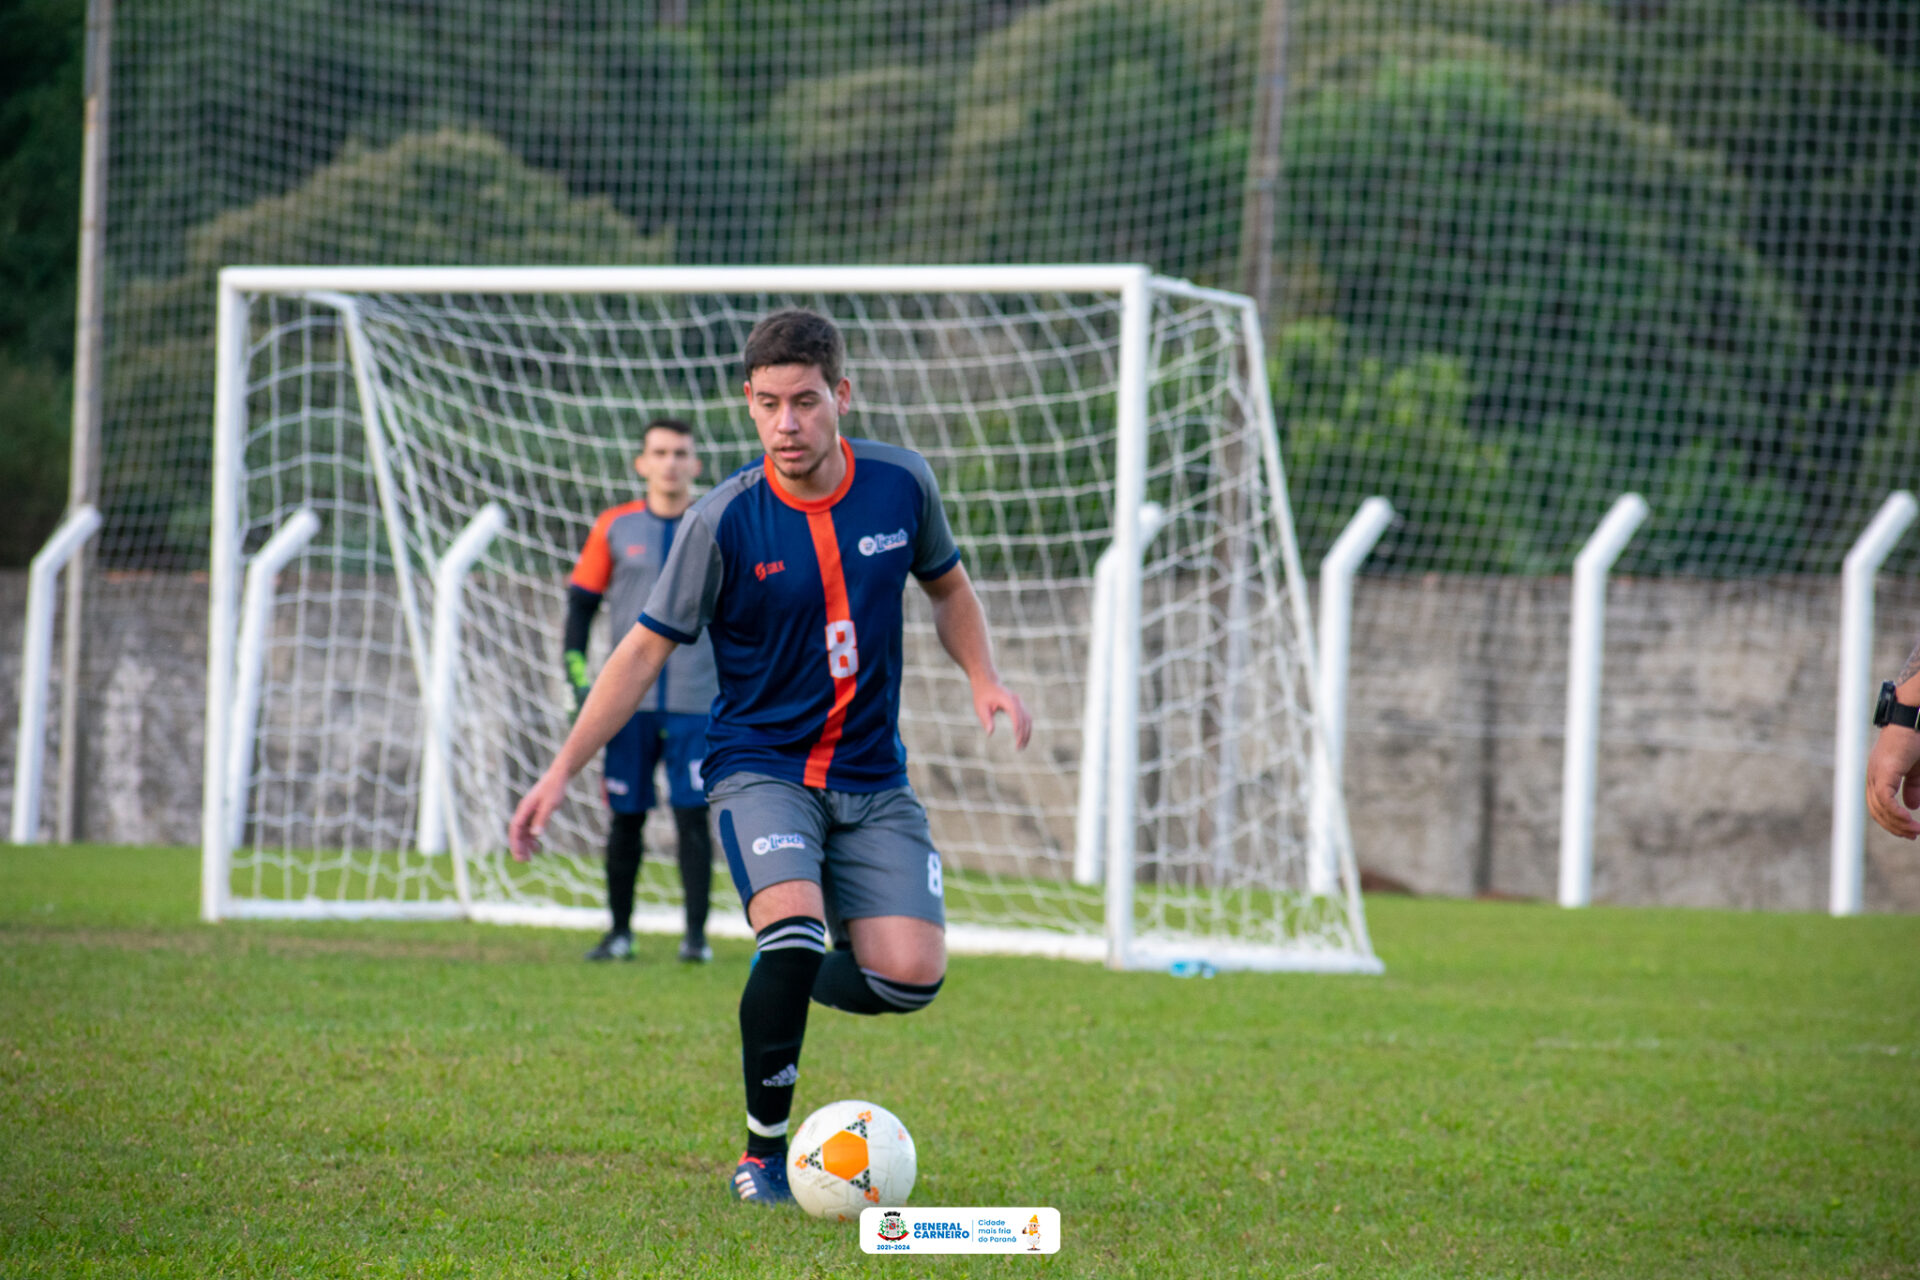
990, 698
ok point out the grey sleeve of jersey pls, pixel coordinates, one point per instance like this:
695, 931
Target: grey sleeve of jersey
688, 591
934, 550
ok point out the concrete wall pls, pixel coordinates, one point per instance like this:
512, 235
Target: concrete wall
1715, 765
1715, 772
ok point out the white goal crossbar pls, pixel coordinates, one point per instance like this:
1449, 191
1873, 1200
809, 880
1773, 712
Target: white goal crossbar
439, 390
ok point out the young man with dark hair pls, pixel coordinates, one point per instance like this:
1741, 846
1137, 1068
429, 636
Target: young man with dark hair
621, 561
795, 567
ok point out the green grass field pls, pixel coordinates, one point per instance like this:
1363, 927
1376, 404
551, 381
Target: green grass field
1528, 1092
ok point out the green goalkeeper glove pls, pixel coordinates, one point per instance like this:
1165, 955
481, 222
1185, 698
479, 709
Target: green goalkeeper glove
578, 685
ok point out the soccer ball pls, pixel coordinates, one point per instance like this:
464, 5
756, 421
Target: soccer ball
848, 1155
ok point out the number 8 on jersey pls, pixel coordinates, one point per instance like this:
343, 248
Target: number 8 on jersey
843, 650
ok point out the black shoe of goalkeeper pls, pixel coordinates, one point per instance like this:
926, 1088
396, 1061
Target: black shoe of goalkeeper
695, 951
615, 946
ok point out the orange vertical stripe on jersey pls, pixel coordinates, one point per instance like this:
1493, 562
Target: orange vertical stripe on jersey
826, 547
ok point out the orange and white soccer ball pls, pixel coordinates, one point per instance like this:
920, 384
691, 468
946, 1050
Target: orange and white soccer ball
848, 1155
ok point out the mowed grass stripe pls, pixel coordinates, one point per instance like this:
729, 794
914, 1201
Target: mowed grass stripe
1527, 1092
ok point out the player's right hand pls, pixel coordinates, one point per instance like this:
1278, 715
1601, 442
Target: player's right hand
530, 817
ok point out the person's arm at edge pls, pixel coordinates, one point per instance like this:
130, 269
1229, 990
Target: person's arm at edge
1893, 766
629, 672
961, 625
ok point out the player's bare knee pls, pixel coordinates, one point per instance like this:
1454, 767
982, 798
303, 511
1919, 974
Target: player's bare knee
787, 898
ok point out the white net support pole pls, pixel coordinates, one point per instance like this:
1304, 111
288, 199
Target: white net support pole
1851, 729
1334, 833
1588, 644
439, 819
1090, 830
250, 657
229, 444
374, 412
1123, 749
36, 661
1337, 572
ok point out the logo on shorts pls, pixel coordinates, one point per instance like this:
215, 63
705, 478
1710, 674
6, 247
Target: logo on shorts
874, 543
934, 884
767, 568
768, 844
616, 787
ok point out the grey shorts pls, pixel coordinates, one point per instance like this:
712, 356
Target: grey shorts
870, 853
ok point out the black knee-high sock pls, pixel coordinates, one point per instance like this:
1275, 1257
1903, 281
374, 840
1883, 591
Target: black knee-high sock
696, 867
624, 852
842, 984
773, 1022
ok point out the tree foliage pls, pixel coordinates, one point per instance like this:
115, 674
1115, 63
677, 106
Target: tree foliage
1672, 246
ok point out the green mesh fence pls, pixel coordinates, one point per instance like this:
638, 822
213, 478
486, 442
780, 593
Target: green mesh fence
1526, 255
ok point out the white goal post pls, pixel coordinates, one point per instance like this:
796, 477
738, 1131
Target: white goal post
395, 405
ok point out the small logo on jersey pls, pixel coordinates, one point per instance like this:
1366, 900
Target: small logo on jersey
767, 844
636, 548
768, 568
934, 884
874, 543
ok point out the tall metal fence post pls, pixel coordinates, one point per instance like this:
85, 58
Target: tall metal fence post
1590, 570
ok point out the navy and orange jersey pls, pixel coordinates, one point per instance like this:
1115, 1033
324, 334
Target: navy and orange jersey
802, 601
622, 559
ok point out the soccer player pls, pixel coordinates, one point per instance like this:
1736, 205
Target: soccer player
795, 567
622, 559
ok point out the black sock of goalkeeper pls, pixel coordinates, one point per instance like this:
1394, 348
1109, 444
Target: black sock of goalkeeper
623, 867
696, 867
773, 1022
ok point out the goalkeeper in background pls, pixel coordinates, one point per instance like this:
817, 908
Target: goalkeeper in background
620, 562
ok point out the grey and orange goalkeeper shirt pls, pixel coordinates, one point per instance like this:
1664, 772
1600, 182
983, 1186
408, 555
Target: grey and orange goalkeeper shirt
621, 561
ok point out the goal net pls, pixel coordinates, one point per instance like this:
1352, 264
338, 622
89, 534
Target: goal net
407, 464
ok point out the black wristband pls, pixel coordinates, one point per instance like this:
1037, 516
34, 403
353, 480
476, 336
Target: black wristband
1890, 710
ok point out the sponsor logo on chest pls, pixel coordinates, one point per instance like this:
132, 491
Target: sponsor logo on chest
875, 543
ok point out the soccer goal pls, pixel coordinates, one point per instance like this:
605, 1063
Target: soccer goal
407, 462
